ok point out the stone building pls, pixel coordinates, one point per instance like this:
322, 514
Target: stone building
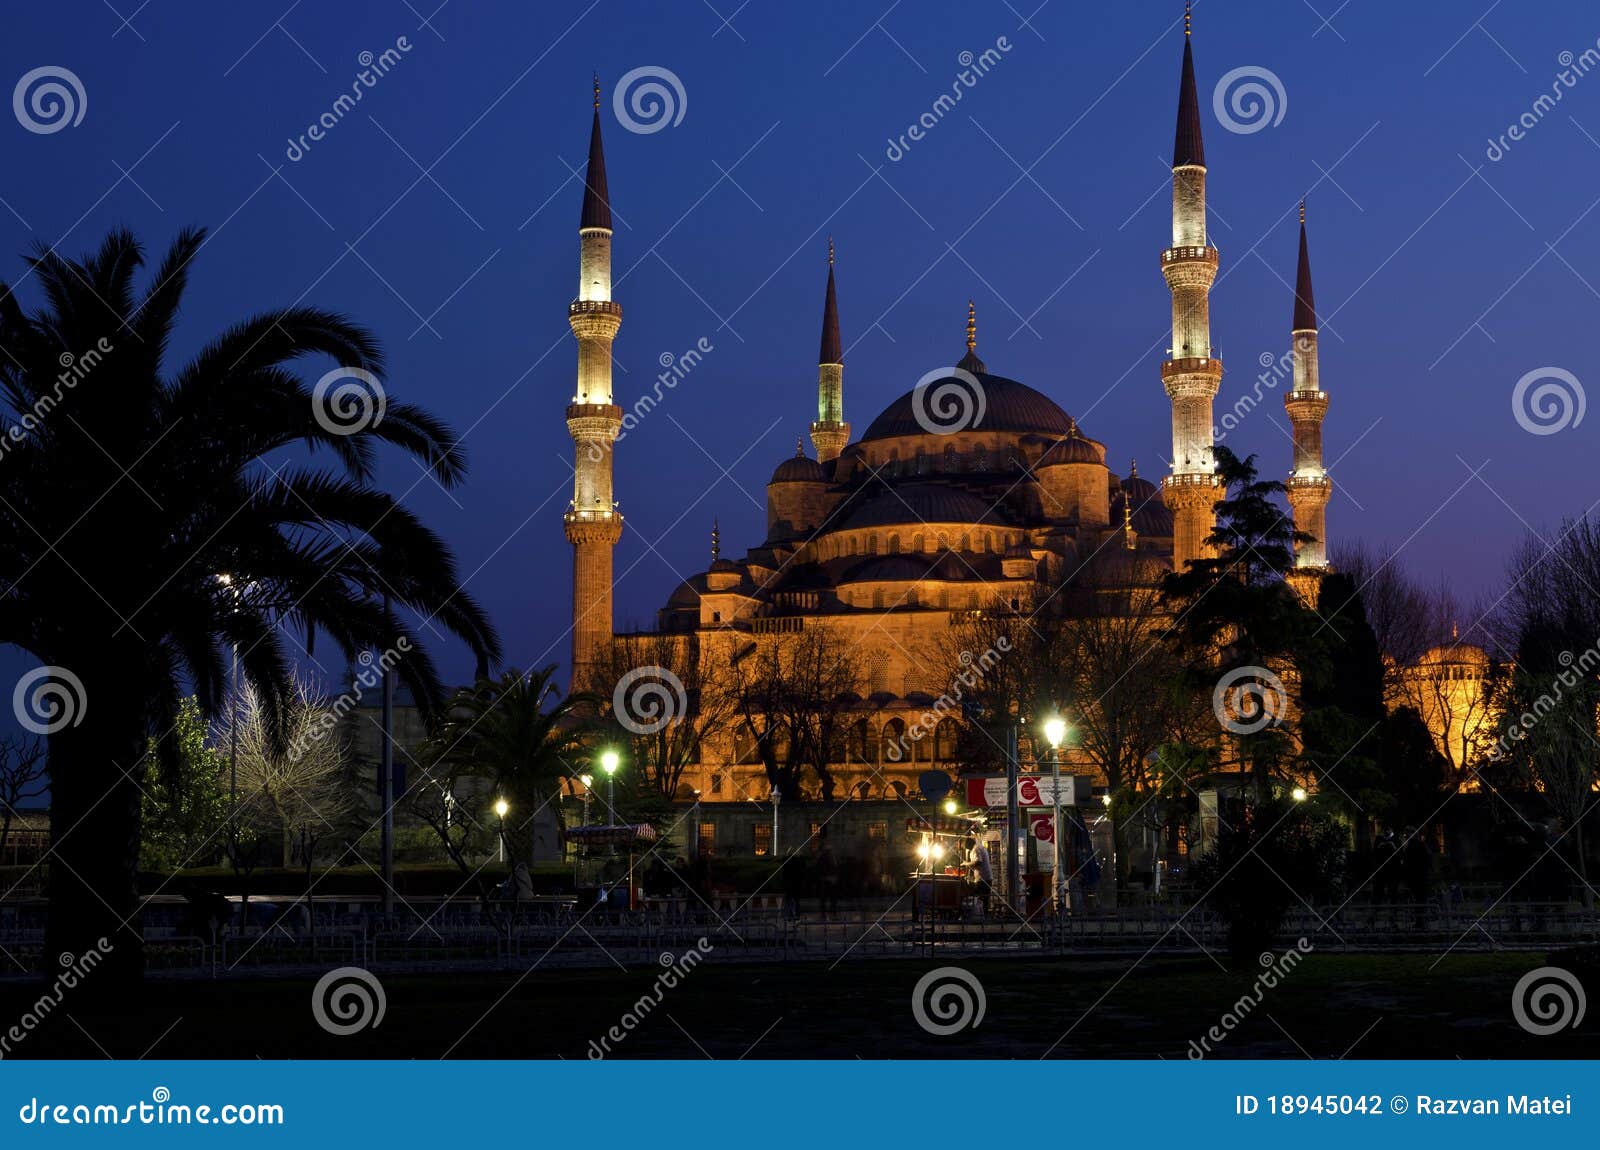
972, 492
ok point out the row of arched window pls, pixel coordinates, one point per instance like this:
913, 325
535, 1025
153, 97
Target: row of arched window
891, 743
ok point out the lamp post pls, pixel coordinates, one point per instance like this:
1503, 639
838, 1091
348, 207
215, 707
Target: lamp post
1055, 733
502, 808
609, 761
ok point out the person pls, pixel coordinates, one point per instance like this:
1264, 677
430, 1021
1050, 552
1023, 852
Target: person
981, 872
828, 877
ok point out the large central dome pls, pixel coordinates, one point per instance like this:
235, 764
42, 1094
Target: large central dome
1008, 406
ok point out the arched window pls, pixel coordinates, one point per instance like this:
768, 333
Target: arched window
944, 741
877, 598
857, 745
918, 542
894, 544
862, 792
950, 458
872, 544
922, 462
898, 788
966, 543
980, 458
894, 748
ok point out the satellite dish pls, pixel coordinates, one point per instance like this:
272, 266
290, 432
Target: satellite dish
934, 785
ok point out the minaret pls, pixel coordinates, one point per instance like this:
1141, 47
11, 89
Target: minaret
830, 432
1191, 373
593, 524
1309, 485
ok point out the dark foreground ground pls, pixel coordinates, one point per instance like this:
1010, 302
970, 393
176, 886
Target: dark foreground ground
1331, 1006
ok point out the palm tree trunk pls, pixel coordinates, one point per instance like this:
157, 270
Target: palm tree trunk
94, 832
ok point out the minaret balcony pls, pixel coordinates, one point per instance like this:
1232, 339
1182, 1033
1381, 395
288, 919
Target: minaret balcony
595, 307
594, 318
1202, 254
1309, 488
1189, 266
1208, 365
1306, 405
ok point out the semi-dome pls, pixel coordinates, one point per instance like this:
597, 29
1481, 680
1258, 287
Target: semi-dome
1008, 406
921, 503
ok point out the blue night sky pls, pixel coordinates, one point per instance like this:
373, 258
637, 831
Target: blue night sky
1442, 277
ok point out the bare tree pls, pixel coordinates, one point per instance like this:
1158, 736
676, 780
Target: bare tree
23, 776
683, 678
297, 786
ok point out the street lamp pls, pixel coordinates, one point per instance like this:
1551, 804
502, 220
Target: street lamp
1298, 794
502, 808
1055, 733
609, 761
950, 806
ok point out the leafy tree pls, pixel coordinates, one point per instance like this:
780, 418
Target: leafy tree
1263, 848
521, 738
1235, 611
133, 488
1342, 702
185, 808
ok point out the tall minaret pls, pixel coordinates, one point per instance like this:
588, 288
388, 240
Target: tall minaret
593, 524
830, 432
1192, 373
1309, 485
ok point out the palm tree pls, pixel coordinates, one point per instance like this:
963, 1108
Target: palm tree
507, 732
152, 520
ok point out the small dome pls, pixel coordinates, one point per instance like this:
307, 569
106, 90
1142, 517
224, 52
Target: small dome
1150, 514
1073, 449
1140, 490
688, 592
799, 469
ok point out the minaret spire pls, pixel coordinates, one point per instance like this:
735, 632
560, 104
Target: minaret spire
1192, 373
970, 361
1309, 485
593, 524
716, 541
830, 432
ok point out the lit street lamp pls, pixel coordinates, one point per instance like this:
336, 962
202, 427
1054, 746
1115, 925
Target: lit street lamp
502, 808
1055, 733
609, 761
1298, 794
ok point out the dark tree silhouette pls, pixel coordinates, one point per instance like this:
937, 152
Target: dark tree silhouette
152, 518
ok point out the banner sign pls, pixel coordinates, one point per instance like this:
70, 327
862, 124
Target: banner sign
1032, 791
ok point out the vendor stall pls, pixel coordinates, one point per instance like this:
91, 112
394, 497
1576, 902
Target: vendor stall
941, 884
632, 837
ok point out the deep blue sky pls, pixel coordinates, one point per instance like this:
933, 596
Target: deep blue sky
1439, 288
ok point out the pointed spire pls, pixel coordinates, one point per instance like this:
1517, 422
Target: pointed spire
970, 361
1188, 148
1305, 305
716, 541
832, 347
596, 199
799, 447
1133, 469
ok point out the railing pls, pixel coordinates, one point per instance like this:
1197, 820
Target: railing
549, 936
1190, 252
594, 307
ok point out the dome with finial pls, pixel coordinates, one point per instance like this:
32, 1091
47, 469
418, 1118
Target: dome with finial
1000, 405
1074, 447
1140, 491
799, 468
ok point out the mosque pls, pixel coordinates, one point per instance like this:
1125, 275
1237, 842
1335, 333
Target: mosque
971, 492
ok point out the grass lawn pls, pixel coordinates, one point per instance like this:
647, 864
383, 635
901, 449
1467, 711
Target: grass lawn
1367, 1006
